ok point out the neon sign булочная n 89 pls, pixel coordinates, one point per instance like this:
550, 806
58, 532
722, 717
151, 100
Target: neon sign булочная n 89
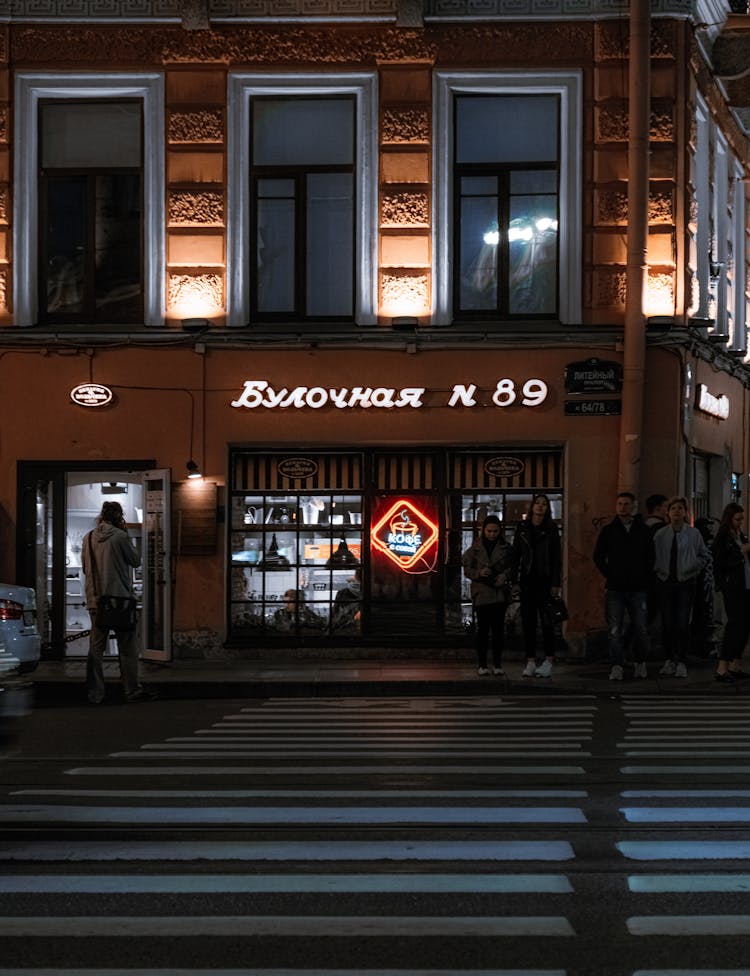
404, 534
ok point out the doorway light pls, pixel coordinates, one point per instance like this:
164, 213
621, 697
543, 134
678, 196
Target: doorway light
193, 471
114, 488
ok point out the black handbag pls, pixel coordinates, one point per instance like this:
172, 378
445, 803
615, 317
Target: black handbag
554, 612
116, 612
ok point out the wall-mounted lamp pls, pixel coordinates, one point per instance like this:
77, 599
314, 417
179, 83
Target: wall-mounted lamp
195, 325
404, 322
660, 322
193, 471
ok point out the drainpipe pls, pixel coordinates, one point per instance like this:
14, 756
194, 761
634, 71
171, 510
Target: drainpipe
634, 339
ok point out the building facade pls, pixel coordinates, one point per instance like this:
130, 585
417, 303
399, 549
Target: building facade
371, 270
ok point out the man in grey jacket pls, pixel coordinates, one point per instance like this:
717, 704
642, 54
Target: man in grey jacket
108, 559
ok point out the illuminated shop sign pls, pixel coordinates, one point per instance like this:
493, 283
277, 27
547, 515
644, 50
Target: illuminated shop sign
258, 393
91, 395
404, 533
297, 468
593, 376
716, 406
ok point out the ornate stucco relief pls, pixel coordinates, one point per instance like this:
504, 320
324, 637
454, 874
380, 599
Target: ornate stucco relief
400, 291
404, 210
200, 126
405, 125
205, 291
3, 124
364, 45
612, 121
612, 207
610, 287
613, 41
4, 205
201, 208
3, 289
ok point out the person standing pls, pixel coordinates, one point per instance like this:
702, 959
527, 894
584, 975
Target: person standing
680, 557
656, 512
487, 564
108, 560
624, 555
731, 551
536, 564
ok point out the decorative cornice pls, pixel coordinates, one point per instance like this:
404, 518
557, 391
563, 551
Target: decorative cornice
711, 12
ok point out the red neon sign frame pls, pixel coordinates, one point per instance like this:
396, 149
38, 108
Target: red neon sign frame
400, 529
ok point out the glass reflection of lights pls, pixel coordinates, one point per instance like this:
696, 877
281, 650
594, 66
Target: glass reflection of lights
519, 232
492, 237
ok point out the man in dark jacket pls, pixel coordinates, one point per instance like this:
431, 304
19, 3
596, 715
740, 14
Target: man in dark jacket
624, 555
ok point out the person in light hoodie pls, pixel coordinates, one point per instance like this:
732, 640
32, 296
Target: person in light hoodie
680, 556
108, 560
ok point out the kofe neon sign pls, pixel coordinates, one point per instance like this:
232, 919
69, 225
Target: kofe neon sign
404, 534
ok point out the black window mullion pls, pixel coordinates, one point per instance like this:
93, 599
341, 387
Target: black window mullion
300, 251
89, 260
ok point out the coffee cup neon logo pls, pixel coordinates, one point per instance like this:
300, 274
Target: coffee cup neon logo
404, 534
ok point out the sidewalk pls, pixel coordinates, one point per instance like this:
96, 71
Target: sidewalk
56, 680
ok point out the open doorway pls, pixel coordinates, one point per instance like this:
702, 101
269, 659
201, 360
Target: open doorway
58, 504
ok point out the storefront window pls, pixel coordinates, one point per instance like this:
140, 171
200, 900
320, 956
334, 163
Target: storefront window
296, 564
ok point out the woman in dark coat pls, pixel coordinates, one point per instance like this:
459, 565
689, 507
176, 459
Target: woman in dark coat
487, 564
537, 571
732, 577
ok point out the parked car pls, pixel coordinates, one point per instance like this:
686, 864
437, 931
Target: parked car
15, 699
19, 634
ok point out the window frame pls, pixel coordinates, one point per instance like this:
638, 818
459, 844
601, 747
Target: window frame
30, 89
569, 87
242, 89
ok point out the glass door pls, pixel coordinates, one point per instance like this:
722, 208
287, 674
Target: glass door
43, 562
156, 583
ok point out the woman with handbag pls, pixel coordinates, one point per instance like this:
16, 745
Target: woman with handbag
108, 560
487, 564
731, 551
536, 573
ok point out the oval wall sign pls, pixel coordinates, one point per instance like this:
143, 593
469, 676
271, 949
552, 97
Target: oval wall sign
297, 468
91, 395
504, 467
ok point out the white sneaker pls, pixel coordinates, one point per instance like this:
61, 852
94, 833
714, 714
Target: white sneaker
498, 672
680, 671
544, 670
483, 671
668, 669
641, 671
530, 670
616, 673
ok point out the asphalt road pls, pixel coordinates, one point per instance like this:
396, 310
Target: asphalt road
382, 837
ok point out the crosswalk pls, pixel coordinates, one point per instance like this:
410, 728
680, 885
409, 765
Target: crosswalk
478, 837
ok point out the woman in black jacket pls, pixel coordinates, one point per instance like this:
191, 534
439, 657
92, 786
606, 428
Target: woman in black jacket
732, 577
536, 571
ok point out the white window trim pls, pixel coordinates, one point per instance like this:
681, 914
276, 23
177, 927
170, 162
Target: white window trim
569, 86
702, 192
30, 89
737, 299
242, 89
721, 231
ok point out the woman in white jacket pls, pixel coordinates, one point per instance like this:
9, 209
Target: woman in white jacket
681, 554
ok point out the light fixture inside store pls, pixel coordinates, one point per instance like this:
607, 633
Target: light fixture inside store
193, 471
195, 324
114, 488
273, 559
343, 558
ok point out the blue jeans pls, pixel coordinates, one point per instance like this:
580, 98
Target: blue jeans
616, 604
